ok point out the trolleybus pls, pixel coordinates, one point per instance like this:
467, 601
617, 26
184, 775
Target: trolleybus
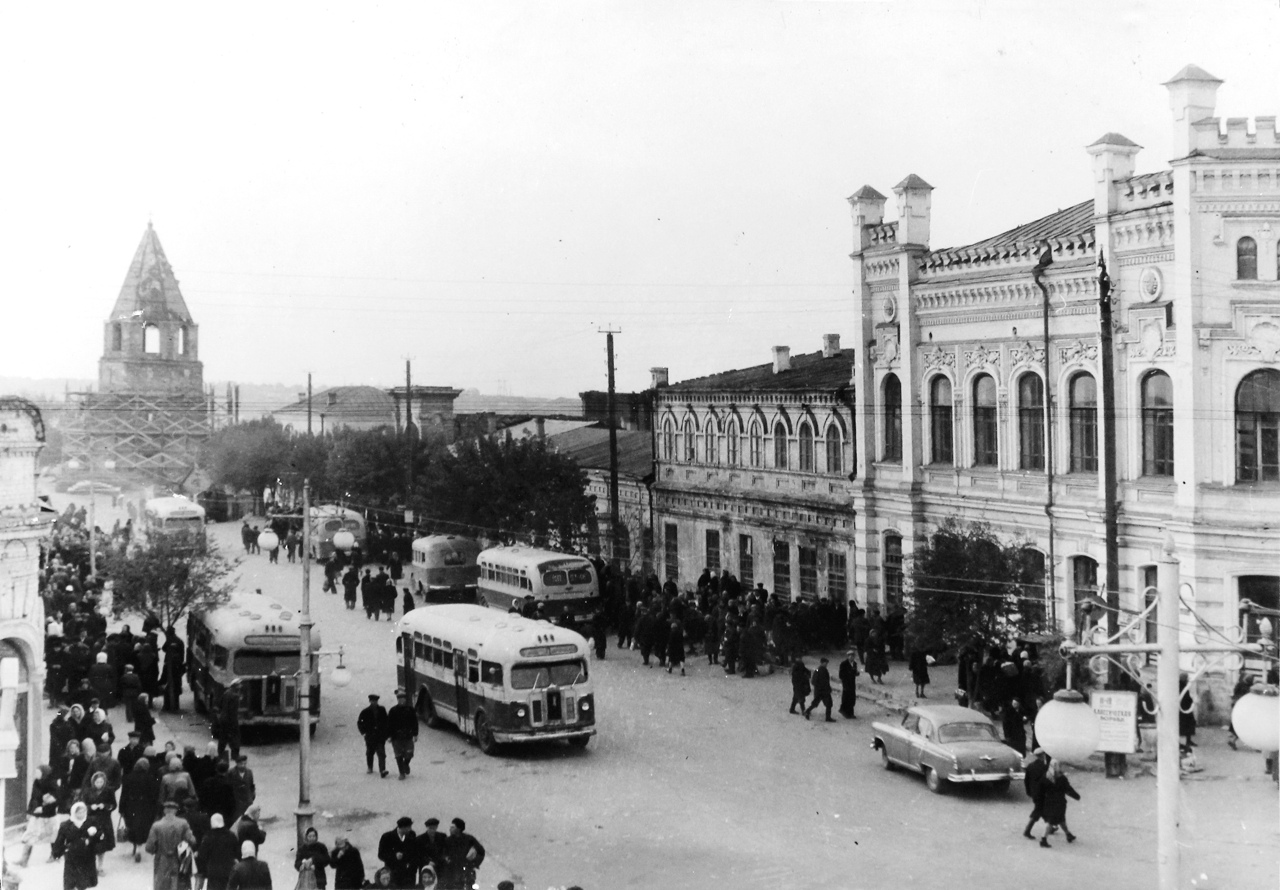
565, 586
173, 515
254, 641
327, 521
498, 677
446, 567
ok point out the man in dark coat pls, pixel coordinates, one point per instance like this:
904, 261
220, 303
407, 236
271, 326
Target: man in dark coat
61, 731
217, 793
372, 724
402, 727
800, 686
350, 583
463, 855
368, 594
398, 851
1034, 769
431, 846
242, 782
1015, 730
821, 690
229, 721
849, 684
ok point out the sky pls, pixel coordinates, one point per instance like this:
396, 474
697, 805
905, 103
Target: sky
481, 188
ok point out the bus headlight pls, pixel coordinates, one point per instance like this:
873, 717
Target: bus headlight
584, 706
521, 713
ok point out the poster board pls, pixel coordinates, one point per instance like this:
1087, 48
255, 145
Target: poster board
1117, 714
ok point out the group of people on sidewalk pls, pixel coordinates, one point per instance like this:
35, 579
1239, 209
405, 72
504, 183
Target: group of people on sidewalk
428, 860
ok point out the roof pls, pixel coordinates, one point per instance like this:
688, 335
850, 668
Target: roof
913, 182
347, 404
949, 714
589, 449
249, 613
809, 372
150, 290
1115, 139
1192, 72
550, 426
867, 193
519, 556
490, 631
1073, 224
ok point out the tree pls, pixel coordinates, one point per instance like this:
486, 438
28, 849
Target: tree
248, 456
169, 575
965, 587
371, 467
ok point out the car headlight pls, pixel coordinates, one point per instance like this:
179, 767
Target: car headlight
520, 712
584, 706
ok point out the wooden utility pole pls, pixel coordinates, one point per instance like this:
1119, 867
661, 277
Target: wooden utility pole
1051, 568
1115, 763
308, 403
409, 436
305, 812
613, 457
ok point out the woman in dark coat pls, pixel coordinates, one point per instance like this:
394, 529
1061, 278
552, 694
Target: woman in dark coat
800, 685
70, 770
144, 722
138, 796
101, 801
77, 846
919, 665
315, 851
219, 850
1055, 788
675, 647
348, 867
877, 664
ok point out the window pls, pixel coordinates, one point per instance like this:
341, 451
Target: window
540, 676
1157, 425
117, 337
473, 668
731, 444
892, 419
892, 568
491, 673
1258, 427
219, 657
940, 421
806, 447
837, 577
756, 445
1084, 579
746, 561
1246, 259
182, 340
1036, 593
713, 550
1083, 396
986, 450
710, 450
779, 446
151, 339
809, 573
1150, 596
690, 443
1030, 422
668, 442
835, 451
1264, 591
782, 569
671, 551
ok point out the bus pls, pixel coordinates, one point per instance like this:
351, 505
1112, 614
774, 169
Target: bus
446, 567
327, 521
253, 640
172, 515
565, 586
499, 678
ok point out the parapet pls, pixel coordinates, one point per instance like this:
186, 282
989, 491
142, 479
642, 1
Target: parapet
1209, 134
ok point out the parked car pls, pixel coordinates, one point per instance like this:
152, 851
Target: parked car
84, 486
947, 743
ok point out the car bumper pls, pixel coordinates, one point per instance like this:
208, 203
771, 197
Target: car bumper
551, 736
986, 777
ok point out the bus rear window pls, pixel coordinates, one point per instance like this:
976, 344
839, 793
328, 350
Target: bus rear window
538, 676
579, 576
251, 663
555, 578
191, 524
333, 525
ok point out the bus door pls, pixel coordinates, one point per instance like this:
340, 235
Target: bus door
463, 698
414, 655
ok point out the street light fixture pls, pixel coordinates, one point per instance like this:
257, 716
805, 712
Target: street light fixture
1256, 718
268, 541
1067, 728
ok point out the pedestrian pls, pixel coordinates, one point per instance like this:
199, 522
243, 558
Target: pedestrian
918, 664
144, 722
799, 685
130, 753
821, 690
350, 583
61, 731
877, 664
849, 684
644, 633
675, 647
314, 855
402, 727
1186, 714
130, 689
348, 867
431, 846
1012, 722
249, 873
102, 680
408, 604
372, 724
166, 840
139, 797
1054, 791
42, 812
217, 854
1242, 688
176, 784
248, 829
368, 596
218, 794
70, 769
244, 786
76, 844
1034, 769
463, 855
101, 802
229, 721
397, 850
381, 878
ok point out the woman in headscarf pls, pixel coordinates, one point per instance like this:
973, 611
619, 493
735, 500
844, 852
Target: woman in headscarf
100, 730
176, 784
101, 801
70, 770
42, 812
77, 845
138, 798
144, 721
315, 854
219, 850
348, 867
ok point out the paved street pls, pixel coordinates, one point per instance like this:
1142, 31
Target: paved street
707, 781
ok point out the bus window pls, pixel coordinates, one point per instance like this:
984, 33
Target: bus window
255, 662
219, 657
333, 525
399, 644
524, 583
446, 657
555, 578
579, 576
537, 676
473, 670
419, 650
490, 673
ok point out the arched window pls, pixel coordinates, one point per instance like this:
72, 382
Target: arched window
1084, 589
1157, 424
1030, 422
892, 568
151, 339
731, 443
835, 451
1246, 259
182, 340
756, 442
712, 452
940, 421
1083, 396
668, 441
986, 449
805, 436
892, 400
690, 443
1034, 589
1258, 427
780, 445
117, 337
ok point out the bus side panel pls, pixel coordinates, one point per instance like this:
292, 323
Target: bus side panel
497, 599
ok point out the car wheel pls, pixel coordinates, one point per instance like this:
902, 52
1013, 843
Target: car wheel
935, 782
884, 758
1001, 786
579, 741
484, 735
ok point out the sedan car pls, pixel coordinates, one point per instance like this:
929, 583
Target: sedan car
84, 486
947, 743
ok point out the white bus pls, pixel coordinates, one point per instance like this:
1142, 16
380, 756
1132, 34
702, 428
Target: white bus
446, 567
172, 515
327, 521
523, 577
497, 677
256, 641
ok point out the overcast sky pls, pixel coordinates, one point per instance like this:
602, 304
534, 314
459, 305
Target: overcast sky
481, 187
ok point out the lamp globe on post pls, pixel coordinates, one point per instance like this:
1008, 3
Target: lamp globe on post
268, 540
1067, 728
1256, 718
344, 541
341, 675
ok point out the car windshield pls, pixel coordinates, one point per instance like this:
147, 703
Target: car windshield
537, 676
966, 732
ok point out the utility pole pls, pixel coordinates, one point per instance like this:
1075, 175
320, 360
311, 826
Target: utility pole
409, 436
613, 457
1051, 569
308, 403
305, 811
1115, 763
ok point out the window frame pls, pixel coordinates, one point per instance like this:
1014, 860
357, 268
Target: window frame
1257, 427
1031, 426
781, 458
891, 414
1157, 426
1083, 423
1247, 258
941, 421
986, 425
804, 438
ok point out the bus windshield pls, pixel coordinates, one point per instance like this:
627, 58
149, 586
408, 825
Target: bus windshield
258, 662
537, 676
188, 524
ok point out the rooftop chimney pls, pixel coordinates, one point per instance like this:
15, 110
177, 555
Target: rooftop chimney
781, 359
1113, 161
914, 202
868, 210
1192, 95
658, 378
830, 345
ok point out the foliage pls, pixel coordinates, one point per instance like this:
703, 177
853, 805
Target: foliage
965, 586
371, 467
248, 456
169, 575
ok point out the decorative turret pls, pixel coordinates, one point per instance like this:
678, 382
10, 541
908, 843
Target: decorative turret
1113, 161
1192, 95
914, 199
868, 210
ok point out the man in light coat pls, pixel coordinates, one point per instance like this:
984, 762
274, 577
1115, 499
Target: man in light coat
166, 836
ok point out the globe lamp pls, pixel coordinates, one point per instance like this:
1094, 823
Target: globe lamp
344, 540
268, 540
1067, 728
1256, 718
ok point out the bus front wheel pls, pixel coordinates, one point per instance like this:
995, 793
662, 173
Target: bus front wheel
484, 735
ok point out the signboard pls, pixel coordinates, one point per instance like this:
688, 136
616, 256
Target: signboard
1117, 714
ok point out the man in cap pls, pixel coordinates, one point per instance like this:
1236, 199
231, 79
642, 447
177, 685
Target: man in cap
249, 873
130, 753
431, 846
398, 851
463, 855
402, 726
242, 783
1034, 769
821, 689
166, 836
372, 724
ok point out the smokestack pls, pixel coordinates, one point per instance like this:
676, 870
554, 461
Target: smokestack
658, 378
830, 345
781, 359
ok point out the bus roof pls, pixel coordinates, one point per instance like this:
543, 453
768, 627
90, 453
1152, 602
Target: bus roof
432, 543
527, 557
174, 504
249, 614
492, 633
334, 510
